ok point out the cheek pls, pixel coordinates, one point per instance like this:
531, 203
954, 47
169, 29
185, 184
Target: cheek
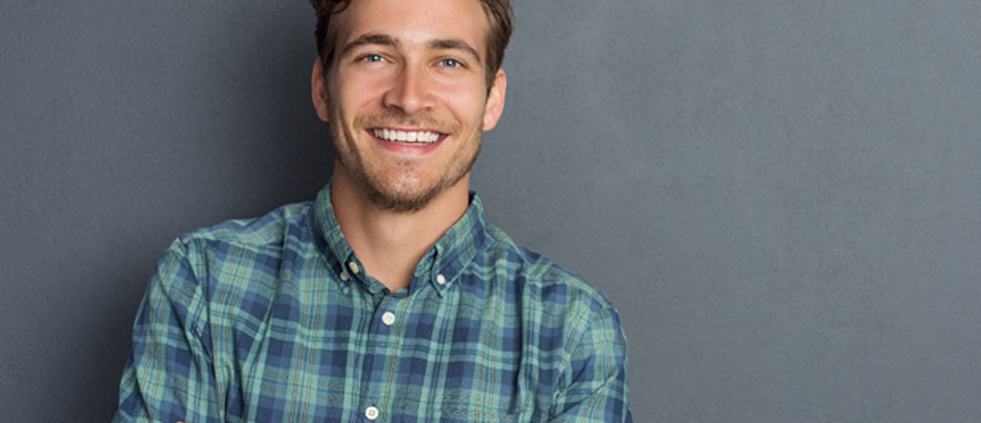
357, 89
466, 101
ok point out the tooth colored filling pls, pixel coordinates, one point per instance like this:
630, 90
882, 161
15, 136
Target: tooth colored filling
406, 137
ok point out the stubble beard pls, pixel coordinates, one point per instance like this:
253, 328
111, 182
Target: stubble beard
383, 196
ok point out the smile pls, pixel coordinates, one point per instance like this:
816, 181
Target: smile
406, 137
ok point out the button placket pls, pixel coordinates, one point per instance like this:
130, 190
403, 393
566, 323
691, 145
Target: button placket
383, 331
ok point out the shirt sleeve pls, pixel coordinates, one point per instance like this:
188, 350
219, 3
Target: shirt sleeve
594, 381
169, 374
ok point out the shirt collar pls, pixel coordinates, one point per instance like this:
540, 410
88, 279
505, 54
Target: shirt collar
441, 266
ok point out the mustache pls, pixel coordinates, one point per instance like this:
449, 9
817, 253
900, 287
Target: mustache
393, 118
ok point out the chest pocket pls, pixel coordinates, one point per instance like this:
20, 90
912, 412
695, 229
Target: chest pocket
480, 392
459, 409
479, 415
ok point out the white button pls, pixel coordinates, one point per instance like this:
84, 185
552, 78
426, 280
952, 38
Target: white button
440, 279
371, 413
353, 266
388, 318
344, 276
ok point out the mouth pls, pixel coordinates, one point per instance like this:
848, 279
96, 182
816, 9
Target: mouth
419, 141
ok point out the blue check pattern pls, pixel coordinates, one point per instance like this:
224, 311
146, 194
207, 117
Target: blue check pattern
272, 319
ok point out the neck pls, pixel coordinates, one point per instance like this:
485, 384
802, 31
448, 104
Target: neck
390, 244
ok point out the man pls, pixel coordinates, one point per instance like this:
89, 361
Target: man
388, 298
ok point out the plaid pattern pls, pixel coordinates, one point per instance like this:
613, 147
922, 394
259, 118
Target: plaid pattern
265, 320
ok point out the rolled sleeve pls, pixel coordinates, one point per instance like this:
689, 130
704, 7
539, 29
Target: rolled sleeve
169, 374
594, 380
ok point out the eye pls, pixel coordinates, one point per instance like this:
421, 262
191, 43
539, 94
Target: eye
372, 58
451, 63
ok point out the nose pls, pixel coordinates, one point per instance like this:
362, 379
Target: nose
410, 91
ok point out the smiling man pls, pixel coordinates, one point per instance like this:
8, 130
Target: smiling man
387, 298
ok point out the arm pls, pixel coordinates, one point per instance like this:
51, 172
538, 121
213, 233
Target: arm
169, 375
594, 379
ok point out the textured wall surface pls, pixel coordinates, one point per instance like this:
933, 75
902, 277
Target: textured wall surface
783, 198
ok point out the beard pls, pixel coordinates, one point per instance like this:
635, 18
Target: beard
385, 195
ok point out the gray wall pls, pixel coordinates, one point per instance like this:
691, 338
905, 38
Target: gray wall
782, 197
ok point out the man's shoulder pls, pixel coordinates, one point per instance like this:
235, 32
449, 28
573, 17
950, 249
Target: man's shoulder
237, 255
268, 230
537, 273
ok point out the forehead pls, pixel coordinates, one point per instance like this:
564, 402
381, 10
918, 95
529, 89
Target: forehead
414, 22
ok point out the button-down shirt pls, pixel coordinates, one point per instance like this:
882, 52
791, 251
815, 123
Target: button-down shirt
274, 319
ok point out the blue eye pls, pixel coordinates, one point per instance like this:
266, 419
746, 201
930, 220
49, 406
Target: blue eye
372, 58
451, 63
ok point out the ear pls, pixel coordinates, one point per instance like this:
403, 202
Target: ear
318, 91
495, 100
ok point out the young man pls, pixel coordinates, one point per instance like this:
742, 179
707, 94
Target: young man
388, 298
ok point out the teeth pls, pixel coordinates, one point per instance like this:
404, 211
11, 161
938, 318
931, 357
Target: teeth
407, 137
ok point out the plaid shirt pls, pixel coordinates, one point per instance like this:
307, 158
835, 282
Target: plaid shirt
274, 319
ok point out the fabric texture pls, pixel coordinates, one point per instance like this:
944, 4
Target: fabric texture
273, 319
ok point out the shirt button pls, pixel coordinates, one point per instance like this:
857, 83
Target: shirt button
344, 276
371, 413
353, 266
388, 318
440, 279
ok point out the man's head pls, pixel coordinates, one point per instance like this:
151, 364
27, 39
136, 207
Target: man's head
408, 89
499, 27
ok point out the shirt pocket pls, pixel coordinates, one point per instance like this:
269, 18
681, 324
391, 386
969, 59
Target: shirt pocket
489, 403
474, 412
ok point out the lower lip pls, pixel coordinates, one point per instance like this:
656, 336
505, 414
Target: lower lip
417, 149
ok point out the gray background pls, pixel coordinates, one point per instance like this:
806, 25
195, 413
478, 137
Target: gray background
782, 197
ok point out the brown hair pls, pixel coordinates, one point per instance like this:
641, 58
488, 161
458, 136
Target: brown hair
499, 19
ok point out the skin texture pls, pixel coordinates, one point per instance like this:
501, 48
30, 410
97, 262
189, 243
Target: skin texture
405, 65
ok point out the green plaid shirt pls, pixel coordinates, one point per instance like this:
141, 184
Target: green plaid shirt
273, 319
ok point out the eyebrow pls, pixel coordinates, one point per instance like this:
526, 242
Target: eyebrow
386, 40
369, 39
455, 44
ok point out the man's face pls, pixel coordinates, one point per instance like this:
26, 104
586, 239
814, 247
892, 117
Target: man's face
406, 96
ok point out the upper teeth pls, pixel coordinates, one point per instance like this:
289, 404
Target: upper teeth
406, 136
